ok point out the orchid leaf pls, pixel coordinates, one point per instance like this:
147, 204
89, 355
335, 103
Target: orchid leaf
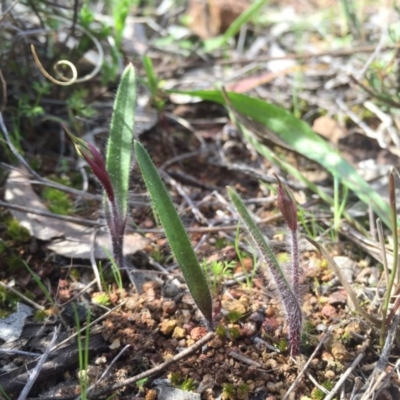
175, 232
289, 299
301, 138
258, 239
119, 146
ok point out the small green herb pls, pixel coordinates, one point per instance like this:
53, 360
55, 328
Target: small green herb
188, 384
140, 383
101, 299
216, 272
77, 105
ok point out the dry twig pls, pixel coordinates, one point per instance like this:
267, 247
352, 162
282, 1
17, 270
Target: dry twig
35, 373
205, 339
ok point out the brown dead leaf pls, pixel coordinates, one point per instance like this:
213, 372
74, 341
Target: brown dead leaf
328, 128
338, 297
250, 83
66, 238
339, 352
210, 18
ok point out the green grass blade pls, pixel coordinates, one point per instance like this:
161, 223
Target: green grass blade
175, 232
151, 75
250, 12
120, 10
41, 285
3, 393
119, 146
299, 135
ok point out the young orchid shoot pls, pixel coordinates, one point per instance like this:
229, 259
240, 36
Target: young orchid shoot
176, 234
288, 294
287, 206
95, 161
113, 173
115, 222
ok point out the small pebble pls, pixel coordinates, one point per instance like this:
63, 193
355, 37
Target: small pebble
179, 333
198, 332
329, 374
168, 326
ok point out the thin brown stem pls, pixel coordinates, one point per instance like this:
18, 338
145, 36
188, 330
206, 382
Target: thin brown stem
205, 339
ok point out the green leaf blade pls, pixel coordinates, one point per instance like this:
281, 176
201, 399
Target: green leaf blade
152, 80
257, 236
299, 136
119, 146
176, 234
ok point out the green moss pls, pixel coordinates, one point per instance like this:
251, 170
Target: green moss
221, 331
228, 391
309, 338
14, 263
175, 379
40, 315
234, 316
234, 333
318, 394
28, 294
283, 345
15, 231
78, 106
283, 257
158, 255
308, 341
346, 337
57, 201
308, 327
220, 243
74, 273
8, 302
3, 246
242, 390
